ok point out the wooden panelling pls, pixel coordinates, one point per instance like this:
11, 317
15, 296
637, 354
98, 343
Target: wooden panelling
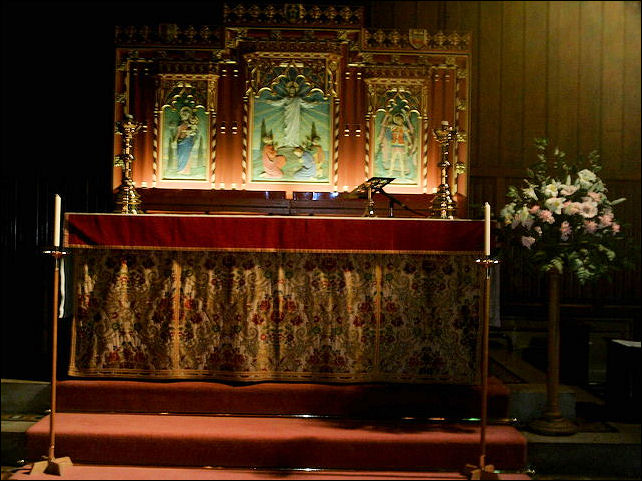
569, 71
535, 74
487, 105
405, 14
510, 126
631, 108
590, 81
553, 38
568, 88
383, 15
612, 84
427, 15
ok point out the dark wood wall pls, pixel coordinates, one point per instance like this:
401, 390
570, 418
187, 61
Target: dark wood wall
569, 71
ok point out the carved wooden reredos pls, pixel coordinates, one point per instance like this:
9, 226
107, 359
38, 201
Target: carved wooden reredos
292, 98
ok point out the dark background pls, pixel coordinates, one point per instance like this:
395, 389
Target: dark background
57, 96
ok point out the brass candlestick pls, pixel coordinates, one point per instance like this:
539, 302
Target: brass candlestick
484, 471
51, 464
443, 205
126, 196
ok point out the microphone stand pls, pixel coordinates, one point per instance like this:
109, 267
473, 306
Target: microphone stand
393, 200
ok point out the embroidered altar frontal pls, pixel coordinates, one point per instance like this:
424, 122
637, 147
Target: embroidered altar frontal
268, 298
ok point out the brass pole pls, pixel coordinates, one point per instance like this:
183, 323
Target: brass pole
54, 357
484, 471
52, 465
484, 373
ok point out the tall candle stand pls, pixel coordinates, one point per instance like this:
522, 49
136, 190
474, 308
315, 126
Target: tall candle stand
443, 205
53, 465
484, 471
127, 198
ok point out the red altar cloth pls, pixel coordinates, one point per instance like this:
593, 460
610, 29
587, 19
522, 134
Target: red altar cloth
274, 233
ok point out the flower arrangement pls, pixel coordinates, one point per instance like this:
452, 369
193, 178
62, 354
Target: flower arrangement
561, 216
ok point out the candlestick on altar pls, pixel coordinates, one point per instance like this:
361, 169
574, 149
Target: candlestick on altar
443, 206
53, 465
127, 197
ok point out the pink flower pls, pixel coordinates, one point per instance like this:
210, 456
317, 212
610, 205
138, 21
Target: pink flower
528, 241
534, 209
588, 209
571, 208
606, 219
565, 230
615, 227
590, 226
596, 196
538, 229
546, 216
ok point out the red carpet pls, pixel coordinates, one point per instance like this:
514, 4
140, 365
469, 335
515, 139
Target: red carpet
356, 400
135, 472
273, 442
360, 431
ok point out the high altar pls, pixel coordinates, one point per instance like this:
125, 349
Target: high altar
238, 146
255, 298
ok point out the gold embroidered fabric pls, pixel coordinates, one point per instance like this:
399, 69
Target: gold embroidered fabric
272, 316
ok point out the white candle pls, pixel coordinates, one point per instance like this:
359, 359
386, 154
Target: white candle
487, 229
56, 235
444, 123
233, 186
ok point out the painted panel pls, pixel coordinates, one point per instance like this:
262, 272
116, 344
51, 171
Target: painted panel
291, 133
184, 125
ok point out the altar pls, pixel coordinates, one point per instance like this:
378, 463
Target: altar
275, 298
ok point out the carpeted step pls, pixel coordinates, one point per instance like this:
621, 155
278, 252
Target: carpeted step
263, 442
350, 400
153, 473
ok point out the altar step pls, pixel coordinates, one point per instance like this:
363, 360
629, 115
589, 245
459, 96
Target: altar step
83, 472
362, 428
274, 442
377, 401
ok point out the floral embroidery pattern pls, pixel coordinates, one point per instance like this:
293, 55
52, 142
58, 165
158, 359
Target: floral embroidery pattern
276, 316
